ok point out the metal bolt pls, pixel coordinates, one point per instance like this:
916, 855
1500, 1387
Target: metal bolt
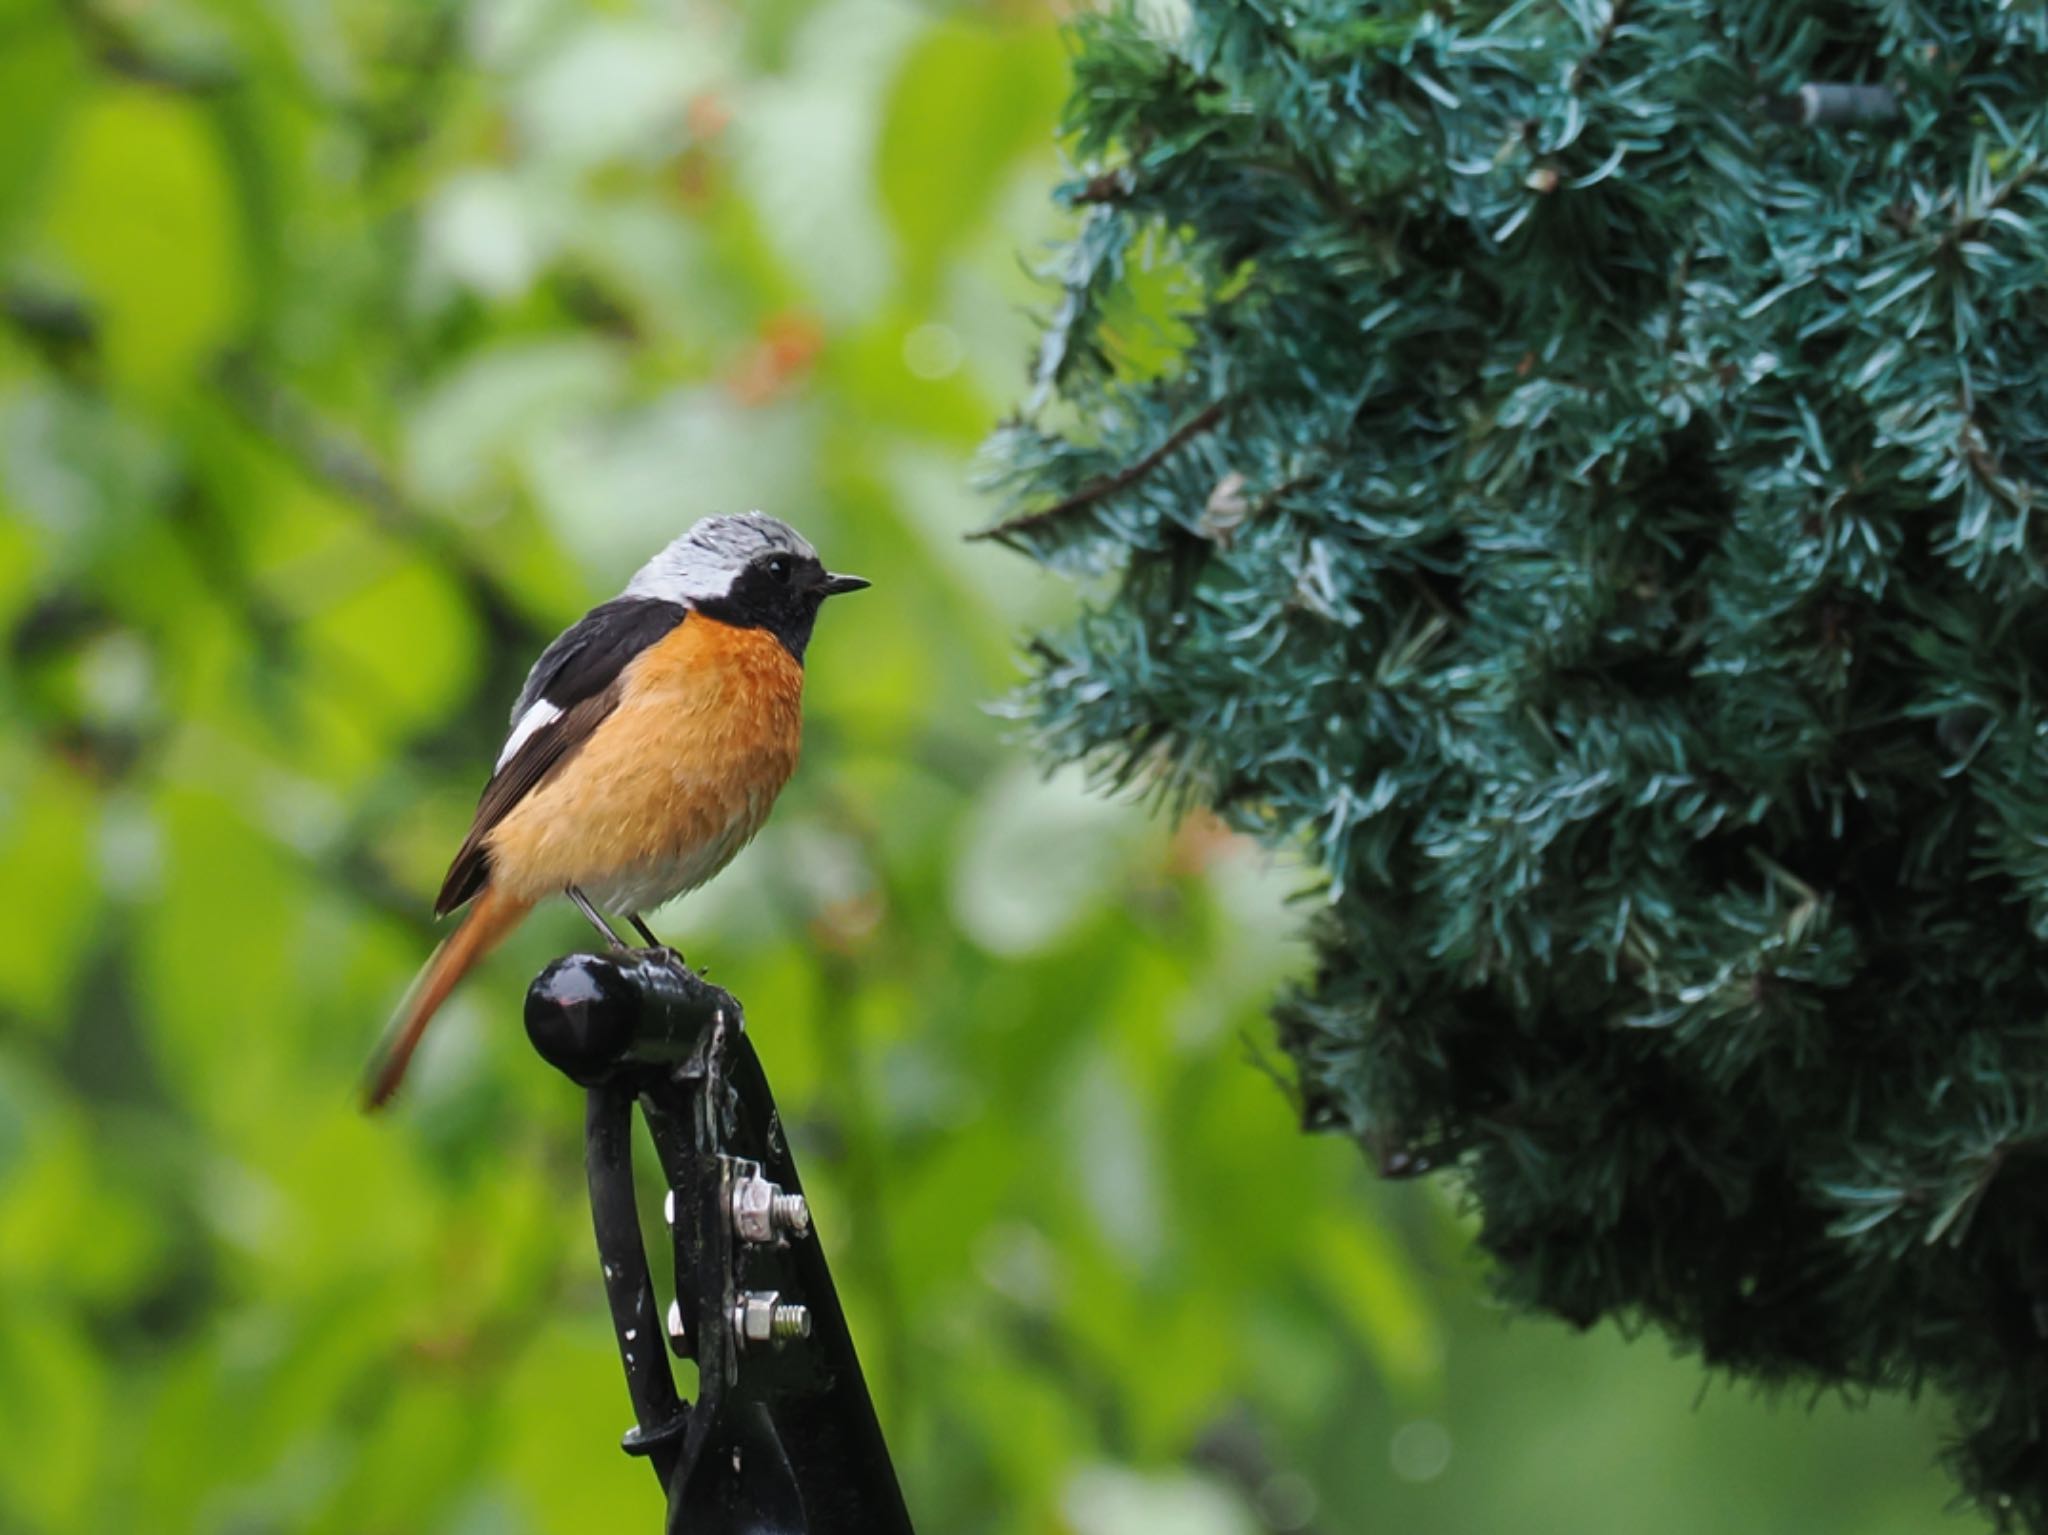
762, 1316
761, 1211
792, 1213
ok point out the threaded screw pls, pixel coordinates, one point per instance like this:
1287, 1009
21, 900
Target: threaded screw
763, 1316
791, 1213
791, 1321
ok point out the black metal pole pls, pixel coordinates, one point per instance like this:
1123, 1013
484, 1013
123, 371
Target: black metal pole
783, 1438
660, 1417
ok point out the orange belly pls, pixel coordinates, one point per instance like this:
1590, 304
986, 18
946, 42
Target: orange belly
676, 780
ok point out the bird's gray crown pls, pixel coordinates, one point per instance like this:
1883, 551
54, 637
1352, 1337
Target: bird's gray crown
702, 563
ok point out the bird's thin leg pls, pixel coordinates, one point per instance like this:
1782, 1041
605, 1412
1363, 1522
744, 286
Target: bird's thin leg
596, 918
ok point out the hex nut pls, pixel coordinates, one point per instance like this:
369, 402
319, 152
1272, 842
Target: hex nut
762, 1316
753, 1207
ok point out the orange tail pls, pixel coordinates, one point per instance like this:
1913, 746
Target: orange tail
490, 919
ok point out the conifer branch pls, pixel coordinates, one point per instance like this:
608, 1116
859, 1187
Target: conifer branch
1615, 12
1109, 484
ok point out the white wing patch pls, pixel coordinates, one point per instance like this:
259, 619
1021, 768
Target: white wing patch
540, 712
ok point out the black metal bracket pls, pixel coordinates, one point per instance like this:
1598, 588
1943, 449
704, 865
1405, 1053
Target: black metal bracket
782, 1437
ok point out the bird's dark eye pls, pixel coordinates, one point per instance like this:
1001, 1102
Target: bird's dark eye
779, 569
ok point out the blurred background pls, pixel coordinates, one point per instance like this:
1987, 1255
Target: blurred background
350, 348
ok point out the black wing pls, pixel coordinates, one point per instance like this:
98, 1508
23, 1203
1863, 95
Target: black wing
578, 678
587, 657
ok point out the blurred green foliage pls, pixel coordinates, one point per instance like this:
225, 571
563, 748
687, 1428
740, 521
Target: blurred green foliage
350, 349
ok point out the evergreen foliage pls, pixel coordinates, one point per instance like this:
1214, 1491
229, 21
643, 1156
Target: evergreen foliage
1594, 511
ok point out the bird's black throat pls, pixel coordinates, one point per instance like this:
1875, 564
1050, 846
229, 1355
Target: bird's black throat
786, 605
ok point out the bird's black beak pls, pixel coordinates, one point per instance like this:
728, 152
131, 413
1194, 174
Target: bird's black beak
834, 586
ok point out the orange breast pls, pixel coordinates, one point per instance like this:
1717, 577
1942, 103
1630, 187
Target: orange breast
673, 783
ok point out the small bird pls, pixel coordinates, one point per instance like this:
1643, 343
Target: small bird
647, 746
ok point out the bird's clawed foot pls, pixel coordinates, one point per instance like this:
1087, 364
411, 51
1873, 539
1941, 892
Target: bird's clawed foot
661, 951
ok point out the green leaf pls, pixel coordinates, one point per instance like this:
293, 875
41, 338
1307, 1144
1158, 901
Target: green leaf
51, 1417
40, 79
143, 217
209, 977
1369, 1281
970, 100
397, 643
47, 827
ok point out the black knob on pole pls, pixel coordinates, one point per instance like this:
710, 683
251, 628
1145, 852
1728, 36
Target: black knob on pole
582, 1014
591, 1014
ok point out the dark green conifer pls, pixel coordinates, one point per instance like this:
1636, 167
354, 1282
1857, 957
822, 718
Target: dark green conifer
1587, 488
